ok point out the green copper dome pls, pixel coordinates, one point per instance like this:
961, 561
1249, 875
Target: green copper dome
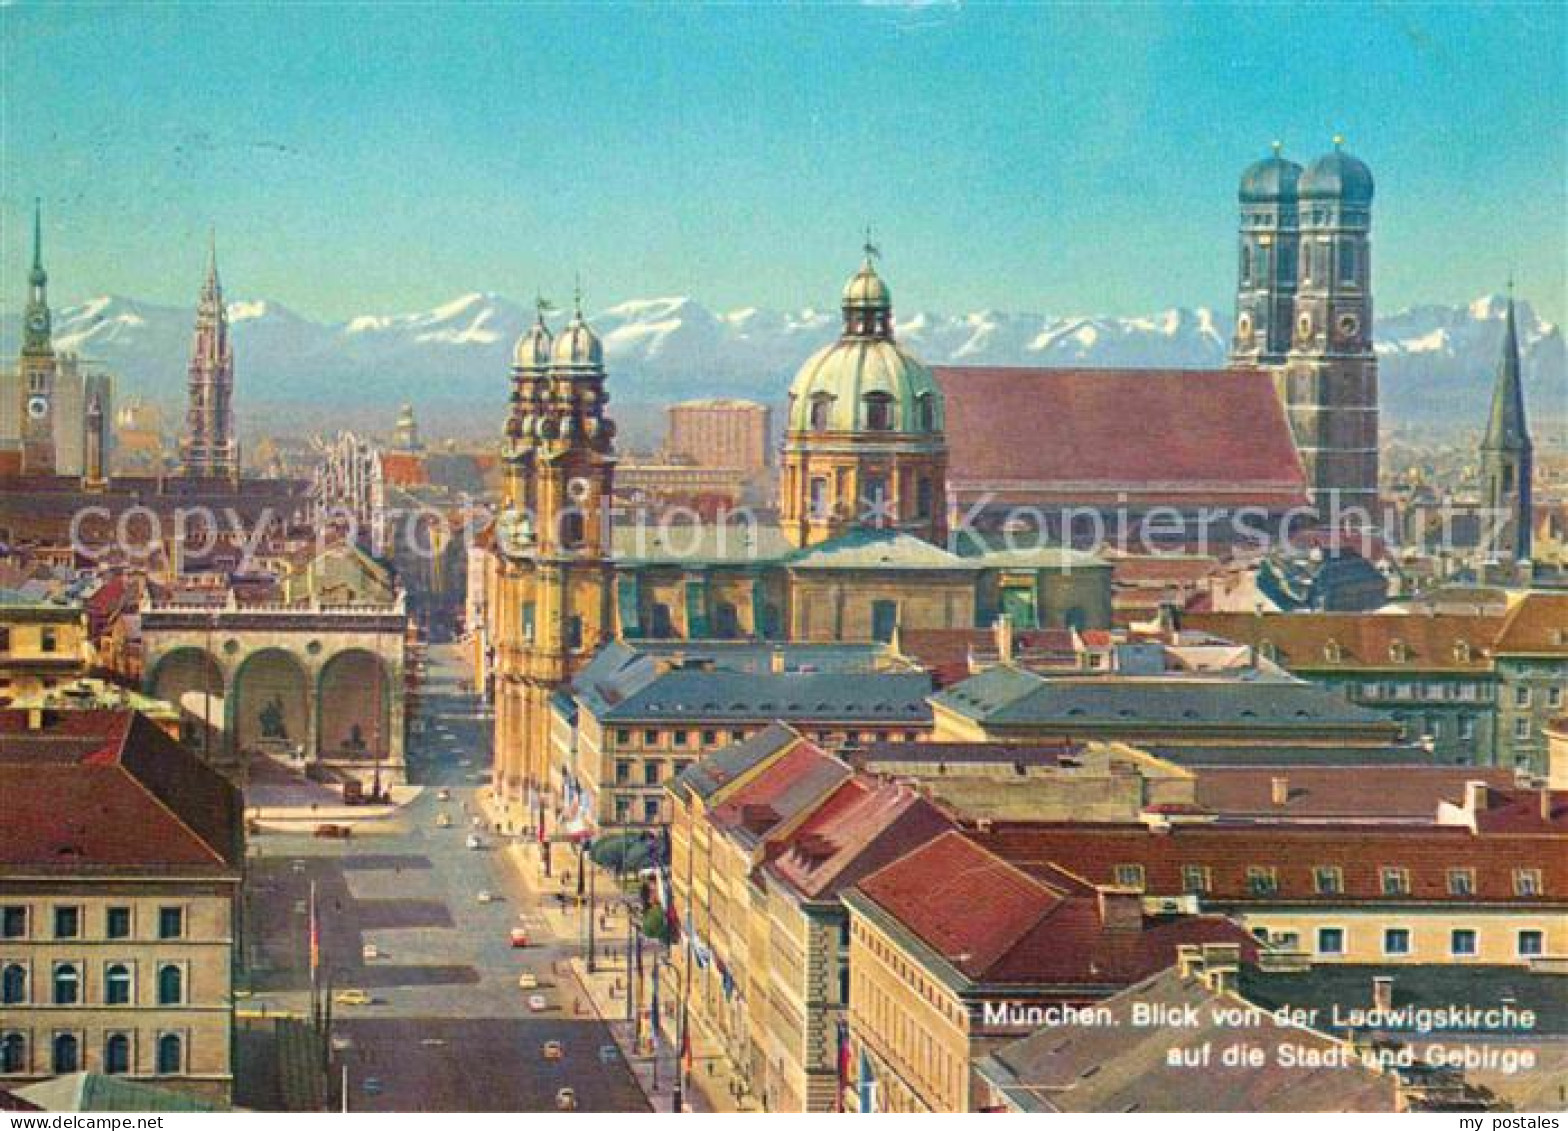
1337, 176
866, 382
1271, 179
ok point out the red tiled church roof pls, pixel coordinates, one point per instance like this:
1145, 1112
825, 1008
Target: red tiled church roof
1160, 435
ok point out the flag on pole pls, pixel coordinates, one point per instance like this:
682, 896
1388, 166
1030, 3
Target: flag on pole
868, 1086
843, 1065
315, 936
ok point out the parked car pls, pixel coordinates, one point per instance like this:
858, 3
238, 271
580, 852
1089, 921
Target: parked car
369, 952
334, 832
553, 1050
528, 980
474, 842
537, 1003
565, 1100
608, 1054
444, 795
519, 937
443, 821
352, 997
485, 897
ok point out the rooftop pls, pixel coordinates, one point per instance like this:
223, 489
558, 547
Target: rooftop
108, 793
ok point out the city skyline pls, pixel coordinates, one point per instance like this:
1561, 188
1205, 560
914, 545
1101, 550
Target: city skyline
753, 186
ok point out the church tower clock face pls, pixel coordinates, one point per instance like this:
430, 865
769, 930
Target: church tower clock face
1244, 329
1348, 326
37, 407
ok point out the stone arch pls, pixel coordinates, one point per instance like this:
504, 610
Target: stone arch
354, 697
269, 704
181, 676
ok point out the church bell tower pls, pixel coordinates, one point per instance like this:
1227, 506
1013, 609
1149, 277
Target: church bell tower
38, 364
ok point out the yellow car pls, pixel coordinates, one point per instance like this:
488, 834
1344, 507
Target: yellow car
352, 997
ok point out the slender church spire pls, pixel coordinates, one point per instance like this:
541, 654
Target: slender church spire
1507, 458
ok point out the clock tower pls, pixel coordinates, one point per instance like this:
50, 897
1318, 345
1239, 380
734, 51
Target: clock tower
38, 365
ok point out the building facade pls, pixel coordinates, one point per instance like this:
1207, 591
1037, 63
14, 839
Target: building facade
117, 935
43, 645
720, 433
1508, 458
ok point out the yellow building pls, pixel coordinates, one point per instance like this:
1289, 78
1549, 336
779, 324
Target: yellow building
43, 645
862, 547
117, 933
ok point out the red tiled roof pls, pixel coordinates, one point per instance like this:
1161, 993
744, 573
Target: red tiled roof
1087, 434
1333, 792
1362, 640
860, 827
1360, 851
796, 779
1538, 623
1000, 923
404, 469
108, 792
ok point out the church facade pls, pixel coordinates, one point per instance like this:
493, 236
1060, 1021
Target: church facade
861, 545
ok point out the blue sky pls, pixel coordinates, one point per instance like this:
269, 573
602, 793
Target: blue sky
1063, 158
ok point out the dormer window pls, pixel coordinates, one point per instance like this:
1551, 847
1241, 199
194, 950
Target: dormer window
879, 412
821, 406
1333, 652
925, 412
1399, 652
1462, 652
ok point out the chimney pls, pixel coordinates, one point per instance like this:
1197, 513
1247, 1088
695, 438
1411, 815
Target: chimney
1004, 639
1221, 965
1383, 992
1279, 790
1121, 910
1546, 805
1475, 796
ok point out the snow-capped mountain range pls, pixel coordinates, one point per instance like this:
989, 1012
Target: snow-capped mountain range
451, 361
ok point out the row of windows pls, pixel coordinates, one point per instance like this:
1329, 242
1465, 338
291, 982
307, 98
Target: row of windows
1450, 692
878, 412
1328, 879
66, 984
67, 922
626, 739
65, 1054
1463, 942
48, 640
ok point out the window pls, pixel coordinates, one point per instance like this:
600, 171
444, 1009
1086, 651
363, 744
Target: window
1331, 940
67, 922
650, 810
1521, 697
171, 985
737, 736
13, 922
875, 502
1461, 942
5, 639
528, 621
1328, 880
1195, 879
572, 528
13, 984
817, 502
843, 983
574, 632
117, 923
1347, 261
117, 985
117, 1054
925, 412
1466, 727
710, 737
67, 984
13, 1053
1527, 881
66, 1052
171, 922
171, 1054
623, 773
879, 412
1554, 697
1395, 881
48, 640
1262, 881
821, 406
682, 737
623, 809
1396, 940
650, 738
661, 626
726, 621
924, 497
623, 737
650, 773
1461, 881
1531, 943
884, 619
1130, 875
1522, 728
